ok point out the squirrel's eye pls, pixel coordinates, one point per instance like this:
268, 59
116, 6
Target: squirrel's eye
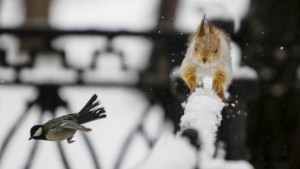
216, 50
196, 49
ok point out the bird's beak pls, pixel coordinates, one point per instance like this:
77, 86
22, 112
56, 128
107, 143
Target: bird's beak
29, 138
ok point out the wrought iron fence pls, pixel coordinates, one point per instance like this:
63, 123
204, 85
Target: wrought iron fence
154, 82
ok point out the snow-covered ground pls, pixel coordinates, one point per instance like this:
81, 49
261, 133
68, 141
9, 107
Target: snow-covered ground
124, 106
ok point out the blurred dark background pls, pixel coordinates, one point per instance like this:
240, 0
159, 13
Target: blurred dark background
263, 127
273, 121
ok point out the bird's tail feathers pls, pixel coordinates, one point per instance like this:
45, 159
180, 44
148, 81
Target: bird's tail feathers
92, 115
89, 105
88, 113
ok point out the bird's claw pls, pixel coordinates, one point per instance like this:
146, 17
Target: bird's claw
70, 140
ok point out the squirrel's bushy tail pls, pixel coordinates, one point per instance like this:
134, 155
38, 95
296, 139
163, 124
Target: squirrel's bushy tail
88, 113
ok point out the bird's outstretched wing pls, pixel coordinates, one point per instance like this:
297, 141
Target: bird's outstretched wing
66, 122
69, 125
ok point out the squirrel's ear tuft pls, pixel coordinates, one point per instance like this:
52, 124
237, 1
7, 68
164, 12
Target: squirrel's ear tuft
204, 26
201, 29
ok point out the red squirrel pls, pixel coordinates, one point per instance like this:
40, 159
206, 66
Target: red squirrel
208, 54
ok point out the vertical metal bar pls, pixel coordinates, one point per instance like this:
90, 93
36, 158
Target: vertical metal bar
167, 12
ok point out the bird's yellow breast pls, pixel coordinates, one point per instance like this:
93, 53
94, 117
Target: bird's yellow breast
60, 135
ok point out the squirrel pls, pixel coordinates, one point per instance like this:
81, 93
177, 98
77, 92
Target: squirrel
208, 54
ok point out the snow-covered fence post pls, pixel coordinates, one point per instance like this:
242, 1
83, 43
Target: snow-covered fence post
203, 113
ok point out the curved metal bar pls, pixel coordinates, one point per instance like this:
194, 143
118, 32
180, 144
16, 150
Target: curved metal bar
63, 156
11, 132
145, 135
90, 147
32, 155
130, 138
91, 150
159, 132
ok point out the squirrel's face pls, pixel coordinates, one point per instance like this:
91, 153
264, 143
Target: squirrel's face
207, 44
207, 49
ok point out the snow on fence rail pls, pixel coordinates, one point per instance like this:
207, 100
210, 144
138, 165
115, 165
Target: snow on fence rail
203, 115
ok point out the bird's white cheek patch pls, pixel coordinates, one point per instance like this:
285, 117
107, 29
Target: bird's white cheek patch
38, 132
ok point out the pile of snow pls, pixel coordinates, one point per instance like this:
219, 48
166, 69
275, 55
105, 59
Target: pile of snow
223, 164
190, 12
113, 15
171, 152
48, 69
12, 13
203, 113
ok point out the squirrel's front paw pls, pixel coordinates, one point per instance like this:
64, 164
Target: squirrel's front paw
192, 84
218, 88
220, 78
224, 100
190, 78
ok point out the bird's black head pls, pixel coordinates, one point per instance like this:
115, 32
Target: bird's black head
37, 132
